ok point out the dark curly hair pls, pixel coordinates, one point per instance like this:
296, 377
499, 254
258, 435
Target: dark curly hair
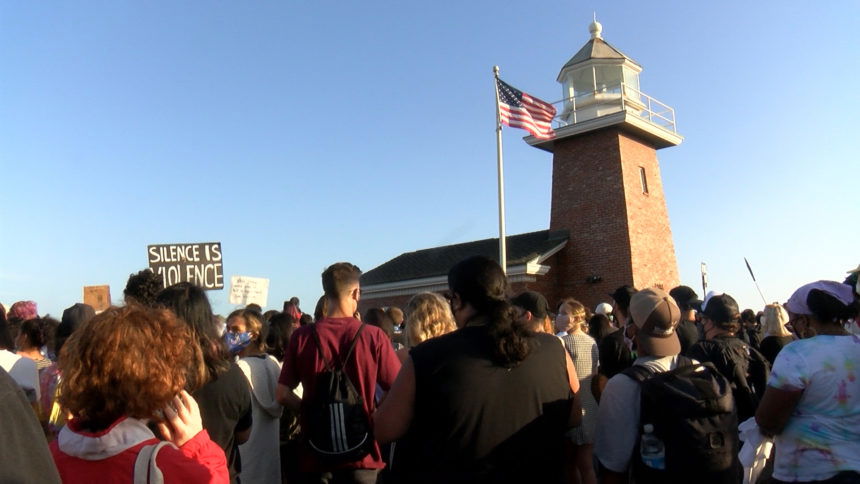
37, 331
143, 287
127, 361
480, 282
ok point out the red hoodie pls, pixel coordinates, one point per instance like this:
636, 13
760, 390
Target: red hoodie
109, 456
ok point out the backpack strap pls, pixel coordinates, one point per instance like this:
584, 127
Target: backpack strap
326, 362
351, 347
146, 471
640, 373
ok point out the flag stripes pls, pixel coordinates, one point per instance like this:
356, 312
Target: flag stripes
518, 109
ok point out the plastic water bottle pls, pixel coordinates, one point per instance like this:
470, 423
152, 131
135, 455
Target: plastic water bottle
651, 449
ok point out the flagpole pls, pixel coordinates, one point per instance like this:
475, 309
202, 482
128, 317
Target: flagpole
503, 256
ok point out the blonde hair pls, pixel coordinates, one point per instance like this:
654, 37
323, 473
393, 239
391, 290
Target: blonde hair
254, 324
774, 319
577, 310
427, 315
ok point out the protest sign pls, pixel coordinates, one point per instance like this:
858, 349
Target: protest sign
197, 263
97, 296
246, 290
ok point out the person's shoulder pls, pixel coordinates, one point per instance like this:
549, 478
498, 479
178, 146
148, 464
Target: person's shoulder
614, 338
442, 340
546, 338
703, 346
303, 331
231, 378
587, 338
439, 344
619, 385
375, 332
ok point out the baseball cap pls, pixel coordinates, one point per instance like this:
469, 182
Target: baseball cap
603, 308
797, 302
686, 297
656, 315
721, 308
533, 302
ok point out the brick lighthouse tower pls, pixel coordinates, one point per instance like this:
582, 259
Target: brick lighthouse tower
606, 186
608, 222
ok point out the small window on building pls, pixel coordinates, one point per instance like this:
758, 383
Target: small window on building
643, 179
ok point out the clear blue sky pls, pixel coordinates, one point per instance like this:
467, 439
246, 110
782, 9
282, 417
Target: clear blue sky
302, 133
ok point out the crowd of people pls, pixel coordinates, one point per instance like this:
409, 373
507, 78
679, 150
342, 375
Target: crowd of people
471, 385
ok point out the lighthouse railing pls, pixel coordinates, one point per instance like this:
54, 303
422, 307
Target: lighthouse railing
611, 99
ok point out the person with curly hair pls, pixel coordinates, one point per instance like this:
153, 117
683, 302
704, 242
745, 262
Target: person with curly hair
22, 370
427, 315
583, 352
32, 336
143, 288
114, 384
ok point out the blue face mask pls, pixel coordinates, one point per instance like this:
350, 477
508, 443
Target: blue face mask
236, 342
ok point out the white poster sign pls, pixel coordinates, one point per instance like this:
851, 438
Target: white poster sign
247, 290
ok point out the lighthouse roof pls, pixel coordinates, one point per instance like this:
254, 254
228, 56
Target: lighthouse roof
596, 48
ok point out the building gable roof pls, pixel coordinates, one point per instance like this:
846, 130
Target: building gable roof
436, 261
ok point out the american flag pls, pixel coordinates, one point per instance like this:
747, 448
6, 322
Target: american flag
520, 110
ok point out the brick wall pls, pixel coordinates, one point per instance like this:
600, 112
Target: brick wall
652, 249
616, 232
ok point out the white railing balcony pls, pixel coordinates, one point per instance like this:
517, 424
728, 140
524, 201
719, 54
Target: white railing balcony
613, 99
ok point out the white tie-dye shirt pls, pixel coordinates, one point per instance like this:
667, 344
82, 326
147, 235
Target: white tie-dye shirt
822, 436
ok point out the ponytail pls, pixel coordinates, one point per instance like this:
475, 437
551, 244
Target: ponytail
480, 282
512, 340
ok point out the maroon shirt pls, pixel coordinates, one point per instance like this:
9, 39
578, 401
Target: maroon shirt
373, 362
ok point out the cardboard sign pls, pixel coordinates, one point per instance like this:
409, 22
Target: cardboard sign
199, 264
97, 296
246, 290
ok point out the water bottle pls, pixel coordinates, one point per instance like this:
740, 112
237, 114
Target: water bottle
651, 449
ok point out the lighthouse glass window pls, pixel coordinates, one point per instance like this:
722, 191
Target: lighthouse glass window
583, 83
631, 80
607, 79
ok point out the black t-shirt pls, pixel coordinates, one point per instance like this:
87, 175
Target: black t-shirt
476, 422
24, 454
772, 345
225, 407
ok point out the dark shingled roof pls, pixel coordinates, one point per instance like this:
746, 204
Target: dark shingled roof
438, 260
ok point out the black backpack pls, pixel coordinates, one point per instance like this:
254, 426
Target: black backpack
338, 428
693, 413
